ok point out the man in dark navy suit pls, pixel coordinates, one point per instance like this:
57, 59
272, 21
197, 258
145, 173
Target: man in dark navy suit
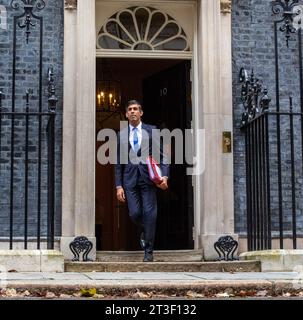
133, 183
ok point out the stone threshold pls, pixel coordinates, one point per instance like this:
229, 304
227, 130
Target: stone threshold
220, 266
159, 255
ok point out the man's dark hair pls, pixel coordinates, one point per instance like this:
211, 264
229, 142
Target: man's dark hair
132, 102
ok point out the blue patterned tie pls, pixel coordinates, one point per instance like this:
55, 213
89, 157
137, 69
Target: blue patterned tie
136, 139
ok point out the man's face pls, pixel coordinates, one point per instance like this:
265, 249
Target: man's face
134, 113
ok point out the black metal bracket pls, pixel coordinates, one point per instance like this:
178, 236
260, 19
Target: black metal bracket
226, 247
254, 98
79, 245
52, 98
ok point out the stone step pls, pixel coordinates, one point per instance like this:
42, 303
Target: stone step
220, 266
159, 256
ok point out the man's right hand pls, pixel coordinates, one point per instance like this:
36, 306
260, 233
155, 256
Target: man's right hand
120, 194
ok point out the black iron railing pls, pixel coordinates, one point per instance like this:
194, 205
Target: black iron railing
274, 138
272, 204
27, 137
30, 119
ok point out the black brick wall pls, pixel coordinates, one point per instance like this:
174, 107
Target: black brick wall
27, 77
253, 48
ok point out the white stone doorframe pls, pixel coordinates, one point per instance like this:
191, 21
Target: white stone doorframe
78, 166
214, 215
215, 116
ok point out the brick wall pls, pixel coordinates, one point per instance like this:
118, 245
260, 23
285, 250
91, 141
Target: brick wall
27, 77
253, 48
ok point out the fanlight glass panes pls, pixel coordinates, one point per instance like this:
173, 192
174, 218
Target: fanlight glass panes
142, 28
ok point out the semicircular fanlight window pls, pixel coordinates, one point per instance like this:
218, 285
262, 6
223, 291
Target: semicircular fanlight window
142, 28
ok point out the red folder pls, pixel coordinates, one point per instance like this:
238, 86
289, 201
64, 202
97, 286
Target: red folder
154, 170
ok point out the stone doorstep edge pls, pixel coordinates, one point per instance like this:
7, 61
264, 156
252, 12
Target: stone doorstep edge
31, 261
232, 266
276, 260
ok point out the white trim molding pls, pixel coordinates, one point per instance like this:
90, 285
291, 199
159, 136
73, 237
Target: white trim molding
142, 54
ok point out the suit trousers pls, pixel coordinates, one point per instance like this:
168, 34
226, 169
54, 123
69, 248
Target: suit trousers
142, 206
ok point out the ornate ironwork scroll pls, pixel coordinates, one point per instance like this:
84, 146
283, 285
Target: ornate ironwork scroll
286, 12
28, 6
226, 247
79, 245
254, 98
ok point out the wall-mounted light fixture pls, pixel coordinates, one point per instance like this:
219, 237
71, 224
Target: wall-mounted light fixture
108, 97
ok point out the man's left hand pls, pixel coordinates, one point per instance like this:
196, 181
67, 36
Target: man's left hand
163, 185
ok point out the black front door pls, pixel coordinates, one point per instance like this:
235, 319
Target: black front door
167, 104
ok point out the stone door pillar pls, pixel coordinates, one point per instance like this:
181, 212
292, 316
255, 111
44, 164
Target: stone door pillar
215, 116
78, 188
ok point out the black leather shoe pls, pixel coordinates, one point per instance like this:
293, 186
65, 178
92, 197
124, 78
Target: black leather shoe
142, 241
148, 256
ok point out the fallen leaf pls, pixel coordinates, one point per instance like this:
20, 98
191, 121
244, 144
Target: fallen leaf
10, 292
77, 294
286, 295
26, 293
140, 294
222, 295
88, 292
193, 294
50, 295
162, 296
262, 293
243, 293
229, 291
64, 296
